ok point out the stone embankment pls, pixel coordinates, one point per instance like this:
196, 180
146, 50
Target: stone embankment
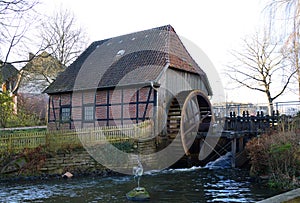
292, 196
76, 161
42, 164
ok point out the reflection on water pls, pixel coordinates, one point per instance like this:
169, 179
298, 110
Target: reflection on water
177, 185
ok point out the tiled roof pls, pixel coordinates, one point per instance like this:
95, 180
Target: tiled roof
136, 58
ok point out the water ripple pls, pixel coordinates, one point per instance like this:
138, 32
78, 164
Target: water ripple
183, 185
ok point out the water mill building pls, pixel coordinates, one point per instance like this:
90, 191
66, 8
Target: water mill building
141, 76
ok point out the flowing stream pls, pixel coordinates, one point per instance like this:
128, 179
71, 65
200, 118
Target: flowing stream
214, 183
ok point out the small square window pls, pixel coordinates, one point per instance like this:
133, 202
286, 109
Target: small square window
89, 113
65, 114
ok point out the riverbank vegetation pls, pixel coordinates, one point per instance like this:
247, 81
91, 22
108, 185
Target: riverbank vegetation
39, 152
23, 117
26, 163
276, 157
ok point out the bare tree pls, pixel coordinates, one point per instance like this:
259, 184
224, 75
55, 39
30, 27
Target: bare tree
288, 11
15, 18
65, 40
10, 10
259, 67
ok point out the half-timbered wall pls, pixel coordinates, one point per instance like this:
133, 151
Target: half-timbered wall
101, 108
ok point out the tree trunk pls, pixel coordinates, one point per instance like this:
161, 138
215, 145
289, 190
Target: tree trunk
271, 108
270, 103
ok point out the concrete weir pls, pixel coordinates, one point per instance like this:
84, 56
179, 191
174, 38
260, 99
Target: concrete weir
284, 197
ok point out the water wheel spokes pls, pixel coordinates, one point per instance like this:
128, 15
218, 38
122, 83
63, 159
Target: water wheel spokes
196, 117
189, 113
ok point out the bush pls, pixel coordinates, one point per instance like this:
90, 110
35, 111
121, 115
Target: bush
23, 119
25, 116
6, 109
278, 156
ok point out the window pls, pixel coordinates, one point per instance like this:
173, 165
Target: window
65, 114
89, 113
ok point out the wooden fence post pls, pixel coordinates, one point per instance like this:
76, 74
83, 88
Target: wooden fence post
9, 144
47, 141
233, 151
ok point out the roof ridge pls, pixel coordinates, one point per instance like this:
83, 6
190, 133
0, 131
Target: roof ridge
164, 27
169, 43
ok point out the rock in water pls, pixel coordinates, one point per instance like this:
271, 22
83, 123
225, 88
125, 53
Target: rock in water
67, 175
138, 194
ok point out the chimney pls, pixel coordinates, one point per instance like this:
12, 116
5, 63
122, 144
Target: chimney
31, 56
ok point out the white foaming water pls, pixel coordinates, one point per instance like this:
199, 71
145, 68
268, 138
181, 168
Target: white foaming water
166, 171
152, 172
194, 168
220, 163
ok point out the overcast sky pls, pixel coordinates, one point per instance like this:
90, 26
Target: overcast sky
216, 27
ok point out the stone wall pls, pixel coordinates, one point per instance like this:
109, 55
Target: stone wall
79, 161
42, 162
76, 161
38, 162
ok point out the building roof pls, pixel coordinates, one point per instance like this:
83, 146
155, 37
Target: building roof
40, 71
8, 72
44, 62
136, 58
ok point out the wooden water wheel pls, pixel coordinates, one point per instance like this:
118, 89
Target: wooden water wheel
189, 114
